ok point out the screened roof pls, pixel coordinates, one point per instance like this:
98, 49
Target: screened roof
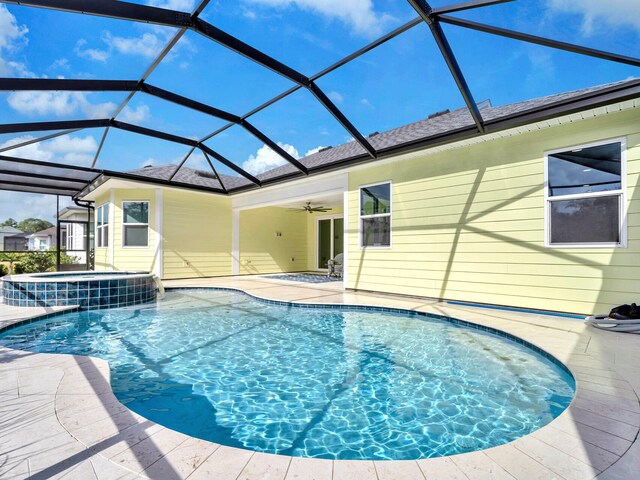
226, 96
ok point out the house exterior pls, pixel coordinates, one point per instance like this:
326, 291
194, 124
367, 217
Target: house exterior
42, 241
542, 215
73, 236
8, 232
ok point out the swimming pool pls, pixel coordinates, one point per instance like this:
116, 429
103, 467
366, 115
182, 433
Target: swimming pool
340, 383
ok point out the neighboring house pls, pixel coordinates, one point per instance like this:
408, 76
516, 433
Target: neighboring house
540, 211
8, 232
73, 236
42, 241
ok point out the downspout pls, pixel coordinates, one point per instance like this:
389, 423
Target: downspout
58, 233
88, 205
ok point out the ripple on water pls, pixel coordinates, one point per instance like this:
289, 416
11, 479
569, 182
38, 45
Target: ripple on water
307, 382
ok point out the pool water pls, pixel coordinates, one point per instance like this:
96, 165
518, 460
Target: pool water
327, 383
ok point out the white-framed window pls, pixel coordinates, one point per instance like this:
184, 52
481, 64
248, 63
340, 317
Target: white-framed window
585, 195
135, 224
375, 215
102, 225
70, 237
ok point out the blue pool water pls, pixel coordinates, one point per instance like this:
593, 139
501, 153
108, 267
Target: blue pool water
328, 383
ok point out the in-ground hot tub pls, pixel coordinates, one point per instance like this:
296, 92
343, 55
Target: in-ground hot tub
89, 290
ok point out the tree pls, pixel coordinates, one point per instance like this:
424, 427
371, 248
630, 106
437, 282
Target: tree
33, 225
11, 258
9, 222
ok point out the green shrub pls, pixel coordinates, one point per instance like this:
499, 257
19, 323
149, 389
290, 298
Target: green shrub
17, 268
3, 270
35, 262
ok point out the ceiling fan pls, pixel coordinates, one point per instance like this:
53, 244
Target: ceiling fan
308, 208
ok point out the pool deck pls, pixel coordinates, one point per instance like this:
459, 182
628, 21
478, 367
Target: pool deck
60, 419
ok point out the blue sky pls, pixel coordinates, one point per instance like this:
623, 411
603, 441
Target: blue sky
403, 81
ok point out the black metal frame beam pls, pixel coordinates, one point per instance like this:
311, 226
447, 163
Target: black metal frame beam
186, 157
103, 173
159, 181
38, 185
56, 125
51, 84
214, 171
38, 140
358, 53
41, 163
459, 7
35, 189
546, 42
426, 13
17, 173
584, 102
142, 13
226, 162
184, 21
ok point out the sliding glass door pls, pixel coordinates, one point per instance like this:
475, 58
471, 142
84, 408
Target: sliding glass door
330, 240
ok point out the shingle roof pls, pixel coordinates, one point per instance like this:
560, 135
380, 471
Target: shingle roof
189, 175
450, 122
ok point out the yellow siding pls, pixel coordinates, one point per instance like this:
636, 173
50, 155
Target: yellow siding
134, 258
261, 251
197, 234
468, 224
102, 254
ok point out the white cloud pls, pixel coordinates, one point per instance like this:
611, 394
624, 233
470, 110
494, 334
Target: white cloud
137, 115
181, 5
266, 159
11, 34
14, 69
63, 149
313, 150
250, 14
601, 15
90, 53
366, 103
197, 161
12, 37
59, 104
357, 14
26, 205
148, 44
335, 96
61, 63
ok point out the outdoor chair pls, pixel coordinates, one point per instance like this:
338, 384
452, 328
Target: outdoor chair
335, 266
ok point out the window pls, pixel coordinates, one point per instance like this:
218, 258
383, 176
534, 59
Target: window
102, 225
135, 224
585, 196
375, 215
70, 239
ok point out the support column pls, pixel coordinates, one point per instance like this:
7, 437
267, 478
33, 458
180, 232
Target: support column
58, 246
112, 227
158, 267
235, 242
345, 235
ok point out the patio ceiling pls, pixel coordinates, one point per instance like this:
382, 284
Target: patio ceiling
31, 175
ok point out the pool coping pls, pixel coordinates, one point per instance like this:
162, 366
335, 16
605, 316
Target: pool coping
535, 452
